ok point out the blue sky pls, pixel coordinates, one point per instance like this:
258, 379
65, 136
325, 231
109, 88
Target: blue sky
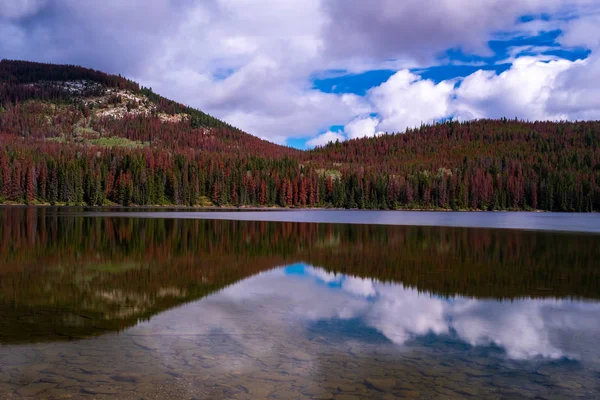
303, 72
453, 64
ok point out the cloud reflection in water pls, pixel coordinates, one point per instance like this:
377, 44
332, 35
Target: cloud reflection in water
272, 304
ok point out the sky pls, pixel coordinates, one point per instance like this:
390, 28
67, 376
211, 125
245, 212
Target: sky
305, 72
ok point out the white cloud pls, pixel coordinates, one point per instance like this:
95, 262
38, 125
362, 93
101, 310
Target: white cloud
582, 32
522, 91
384, 29
323, 275
325, 138
523, 332
577, 91
20, 8
406, 100
362, 127
403, 314
533, 88
270, 50
359, 286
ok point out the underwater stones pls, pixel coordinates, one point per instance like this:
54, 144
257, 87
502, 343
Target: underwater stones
102, 389
49, 378
34, 389
546, 370
145, 388
404, 385
456, 377
122, 377
407, 394
467, 389
258, 389
475, 372
571, 385
157, 378
147, 345
381, 384
315, 392
184, 345
270, 362
5, 387
345, 396
300, 356
272, 376
57, 394
342, 384
446, 392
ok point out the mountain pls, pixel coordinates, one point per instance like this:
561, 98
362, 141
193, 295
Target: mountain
92, 107
72, 135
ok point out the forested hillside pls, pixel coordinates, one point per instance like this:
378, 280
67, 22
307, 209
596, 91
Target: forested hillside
70, 135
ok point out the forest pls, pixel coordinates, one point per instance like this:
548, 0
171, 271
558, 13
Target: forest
75, 136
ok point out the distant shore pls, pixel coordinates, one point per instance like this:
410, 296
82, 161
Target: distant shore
265, 208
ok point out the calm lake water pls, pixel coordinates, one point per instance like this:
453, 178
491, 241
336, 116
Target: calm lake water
193, 305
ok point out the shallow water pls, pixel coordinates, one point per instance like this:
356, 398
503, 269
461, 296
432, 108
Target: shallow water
123, 307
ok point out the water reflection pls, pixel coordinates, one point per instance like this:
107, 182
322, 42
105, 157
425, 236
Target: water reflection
301, 297
108, 307
66, 276
301, 331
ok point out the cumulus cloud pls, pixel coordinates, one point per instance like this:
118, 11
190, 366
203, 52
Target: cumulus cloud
406, 100
522, 91
362, 127
582, 32
533, 88
112, 35
403, 101
258, 59
577, 91
383, 29
324, 138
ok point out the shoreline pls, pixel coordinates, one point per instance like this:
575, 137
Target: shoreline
585, 223
273, 208
266, 208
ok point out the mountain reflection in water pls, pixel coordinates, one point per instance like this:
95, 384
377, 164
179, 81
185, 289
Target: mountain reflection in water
108, 307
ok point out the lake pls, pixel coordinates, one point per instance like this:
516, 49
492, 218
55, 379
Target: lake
159, 304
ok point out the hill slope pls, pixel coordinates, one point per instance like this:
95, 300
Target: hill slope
92, 107
72, 135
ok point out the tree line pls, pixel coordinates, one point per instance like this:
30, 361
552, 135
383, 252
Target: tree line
79, 174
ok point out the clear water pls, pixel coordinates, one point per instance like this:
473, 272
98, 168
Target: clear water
114, 306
